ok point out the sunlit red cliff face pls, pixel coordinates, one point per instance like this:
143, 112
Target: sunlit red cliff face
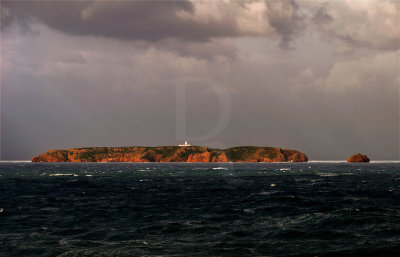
172, 154
358, 158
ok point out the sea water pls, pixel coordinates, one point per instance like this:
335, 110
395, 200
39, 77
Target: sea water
200, 209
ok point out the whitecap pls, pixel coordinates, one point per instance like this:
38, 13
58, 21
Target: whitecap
327, 175
300, 179
220, 168
350, 209
248, 210
61, 174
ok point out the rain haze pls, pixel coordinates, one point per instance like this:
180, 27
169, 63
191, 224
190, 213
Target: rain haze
320, 77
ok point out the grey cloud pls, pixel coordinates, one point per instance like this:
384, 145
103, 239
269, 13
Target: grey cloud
74, 57
127, 20
123, 96
284, 17
210, 50
322, 16
153, 21
373, 24
354, 25
64, 91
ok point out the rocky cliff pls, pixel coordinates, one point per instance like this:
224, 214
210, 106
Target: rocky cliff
172, 154
358, 158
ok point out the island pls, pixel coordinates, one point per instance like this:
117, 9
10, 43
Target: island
181, 153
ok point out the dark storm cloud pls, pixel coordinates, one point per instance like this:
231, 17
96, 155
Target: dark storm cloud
127, 20
156, 20
372, 24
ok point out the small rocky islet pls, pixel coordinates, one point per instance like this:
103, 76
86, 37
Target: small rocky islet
358, 158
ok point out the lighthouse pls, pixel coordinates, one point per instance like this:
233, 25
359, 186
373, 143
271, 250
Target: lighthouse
186, 144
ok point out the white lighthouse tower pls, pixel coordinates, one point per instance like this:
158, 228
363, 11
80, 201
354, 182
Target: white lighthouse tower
186, 144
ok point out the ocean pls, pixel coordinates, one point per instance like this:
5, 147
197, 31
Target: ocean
200, 209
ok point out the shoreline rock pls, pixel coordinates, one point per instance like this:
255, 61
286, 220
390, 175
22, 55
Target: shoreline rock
172, 154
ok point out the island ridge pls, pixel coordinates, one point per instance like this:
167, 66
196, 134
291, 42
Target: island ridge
172, 154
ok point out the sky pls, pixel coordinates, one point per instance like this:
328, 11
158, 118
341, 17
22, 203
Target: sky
321, 77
